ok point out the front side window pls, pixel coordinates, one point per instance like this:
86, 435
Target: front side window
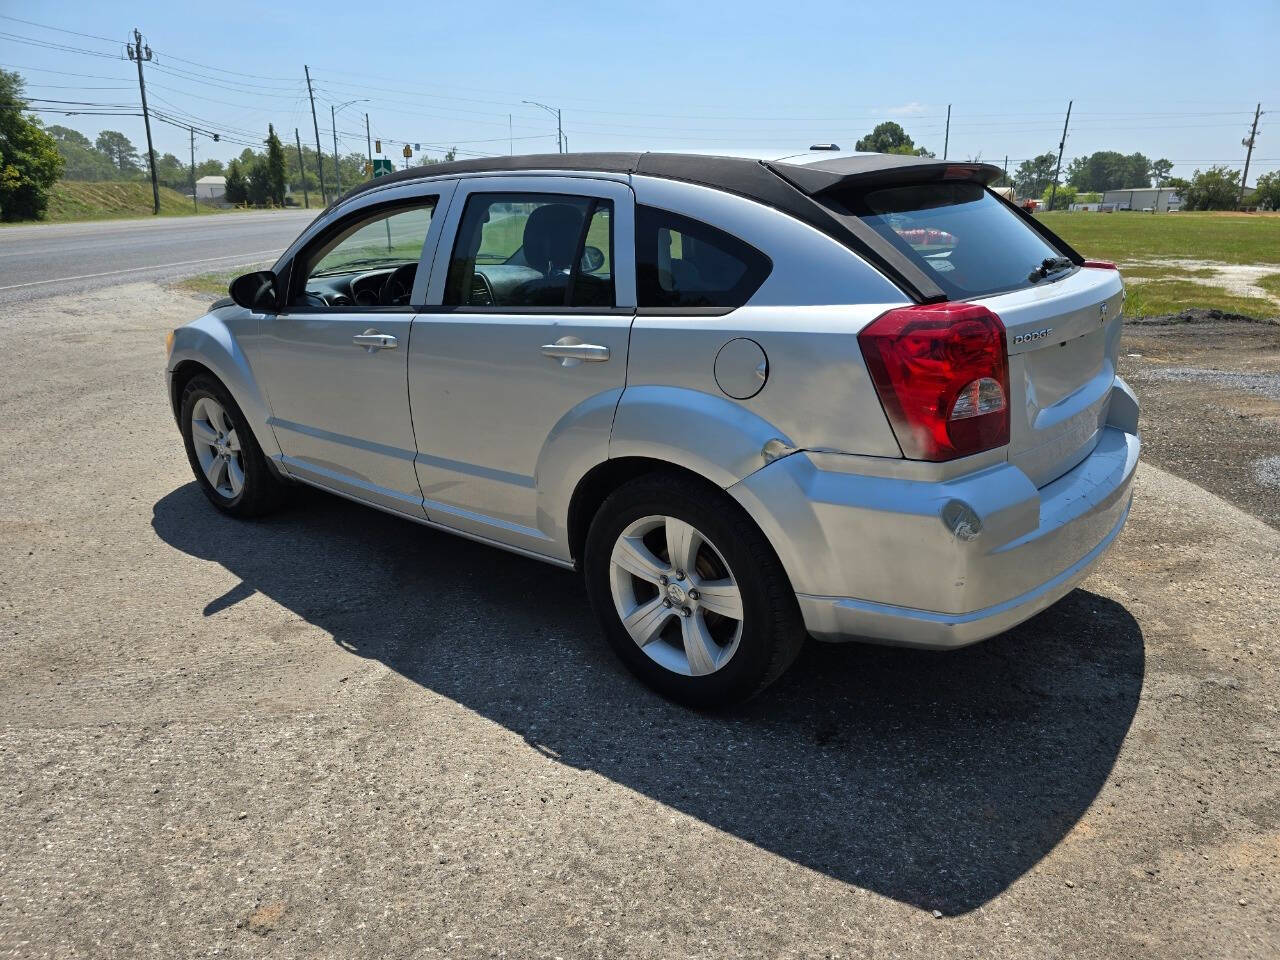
965, 239
532, 250
369, 262
681, 262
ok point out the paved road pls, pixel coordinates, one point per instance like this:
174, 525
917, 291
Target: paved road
331, 733
51, 259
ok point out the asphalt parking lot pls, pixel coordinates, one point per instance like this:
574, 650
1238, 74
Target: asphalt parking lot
335, 734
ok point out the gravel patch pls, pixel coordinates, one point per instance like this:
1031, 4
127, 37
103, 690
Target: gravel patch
1264, 384
1267, 471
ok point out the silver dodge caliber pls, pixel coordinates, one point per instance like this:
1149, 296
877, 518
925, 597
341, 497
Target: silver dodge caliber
853, 396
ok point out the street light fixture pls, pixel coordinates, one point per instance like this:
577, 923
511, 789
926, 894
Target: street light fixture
555, 112
333, 122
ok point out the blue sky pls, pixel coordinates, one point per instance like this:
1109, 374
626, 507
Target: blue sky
1176, 80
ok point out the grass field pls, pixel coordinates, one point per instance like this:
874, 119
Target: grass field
71, 200
1173, 262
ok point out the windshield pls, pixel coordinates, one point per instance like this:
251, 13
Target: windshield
970, 243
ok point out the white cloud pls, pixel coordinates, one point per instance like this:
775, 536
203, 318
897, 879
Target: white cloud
906, 110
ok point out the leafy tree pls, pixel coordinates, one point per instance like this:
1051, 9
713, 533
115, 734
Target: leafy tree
1109, 170
1268, 191
1217, 188
1065, 196
259, 178
237, 187
275, 173
29, 160
889, 137
119, 150
209, 168
1032, 176
449, 156
173, 173
1160, 171
81, 159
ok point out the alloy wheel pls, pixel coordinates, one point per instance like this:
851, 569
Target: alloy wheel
217, 447
675, 595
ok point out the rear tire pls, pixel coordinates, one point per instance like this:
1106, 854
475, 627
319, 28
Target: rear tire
224, 454
714, 634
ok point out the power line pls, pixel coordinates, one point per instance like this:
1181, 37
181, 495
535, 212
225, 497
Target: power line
74, 33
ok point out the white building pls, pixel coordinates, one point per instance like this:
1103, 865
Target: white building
1161, 200
211, 189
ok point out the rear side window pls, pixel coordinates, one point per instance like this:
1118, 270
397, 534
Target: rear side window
681, 262
969, 242
532, 250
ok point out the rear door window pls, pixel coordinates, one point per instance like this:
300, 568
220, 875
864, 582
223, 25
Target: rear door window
532, 250
970, 243
682, 262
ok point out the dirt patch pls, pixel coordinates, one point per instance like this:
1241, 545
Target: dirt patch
1240, 280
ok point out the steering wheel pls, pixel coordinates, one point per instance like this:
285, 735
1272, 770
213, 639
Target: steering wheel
398, 285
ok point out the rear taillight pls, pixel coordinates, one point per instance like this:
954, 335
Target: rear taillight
1100, 265
942, 373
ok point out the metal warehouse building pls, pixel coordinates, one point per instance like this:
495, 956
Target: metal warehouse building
1161, 199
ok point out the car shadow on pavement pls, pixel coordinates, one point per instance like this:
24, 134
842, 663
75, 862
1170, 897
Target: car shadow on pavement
934, 778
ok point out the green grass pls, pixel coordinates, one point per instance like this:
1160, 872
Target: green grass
212, 284
76, 200
1160, 297
1226, 237
1270, 283
1166, 273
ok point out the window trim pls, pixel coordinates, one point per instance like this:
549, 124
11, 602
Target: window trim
594, 202
296, 282
758, 262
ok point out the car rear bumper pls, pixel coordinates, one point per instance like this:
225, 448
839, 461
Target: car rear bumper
879, 558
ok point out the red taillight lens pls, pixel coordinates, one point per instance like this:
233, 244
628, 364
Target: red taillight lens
1100, 265
942, 373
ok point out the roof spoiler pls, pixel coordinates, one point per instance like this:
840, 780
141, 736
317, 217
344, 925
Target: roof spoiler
879, 170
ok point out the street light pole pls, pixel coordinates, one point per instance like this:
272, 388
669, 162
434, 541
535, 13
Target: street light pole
333, 122
555, 112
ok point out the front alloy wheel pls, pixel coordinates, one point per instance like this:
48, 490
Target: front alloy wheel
217, 447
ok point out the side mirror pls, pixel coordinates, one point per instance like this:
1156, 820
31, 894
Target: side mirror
592, 259
255, 291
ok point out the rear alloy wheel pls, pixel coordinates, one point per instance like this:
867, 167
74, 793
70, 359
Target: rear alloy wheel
676, 596
689, 592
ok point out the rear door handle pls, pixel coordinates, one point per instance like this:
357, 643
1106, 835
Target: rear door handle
373, 341
573, 353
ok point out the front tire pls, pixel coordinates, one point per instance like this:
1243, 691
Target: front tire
224, 455
689, 593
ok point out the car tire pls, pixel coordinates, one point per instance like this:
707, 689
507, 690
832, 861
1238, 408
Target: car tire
682, 641
224, 455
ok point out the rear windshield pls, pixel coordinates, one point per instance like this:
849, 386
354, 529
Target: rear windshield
967, 240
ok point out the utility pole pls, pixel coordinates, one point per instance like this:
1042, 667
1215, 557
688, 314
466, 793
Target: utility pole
511, 141
306, 200
337, 167
946, 139
138, 51
1006, 169
1062, 145
559, 132
1253, 135
194, 202
316, 125
368, 139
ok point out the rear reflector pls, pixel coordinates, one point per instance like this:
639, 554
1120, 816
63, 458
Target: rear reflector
1100, 265
942, 373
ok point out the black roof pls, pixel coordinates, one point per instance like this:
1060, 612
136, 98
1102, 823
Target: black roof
805, 191
736, 174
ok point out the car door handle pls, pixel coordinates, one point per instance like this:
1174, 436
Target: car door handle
574, 353
371, 340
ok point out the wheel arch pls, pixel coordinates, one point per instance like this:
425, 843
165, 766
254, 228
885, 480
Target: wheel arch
207, 346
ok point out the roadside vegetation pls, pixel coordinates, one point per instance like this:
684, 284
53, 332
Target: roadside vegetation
70, 200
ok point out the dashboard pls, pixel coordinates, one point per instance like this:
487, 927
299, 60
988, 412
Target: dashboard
345, 289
